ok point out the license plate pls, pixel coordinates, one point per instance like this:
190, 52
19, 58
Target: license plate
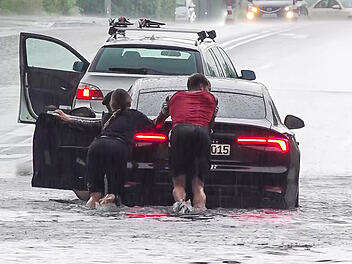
220, 149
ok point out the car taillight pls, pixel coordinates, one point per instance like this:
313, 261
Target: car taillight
278, 144
150, 137
88, 92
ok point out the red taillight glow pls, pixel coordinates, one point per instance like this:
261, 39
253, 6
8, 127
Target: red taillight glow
150, 137
280, 144
88, 93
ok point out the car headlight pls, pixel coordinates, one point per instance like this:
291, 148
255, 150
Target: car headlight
254, 9
289, 14
250, 16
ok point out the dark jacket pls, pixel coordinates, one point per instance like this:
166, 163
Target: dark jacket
124, 126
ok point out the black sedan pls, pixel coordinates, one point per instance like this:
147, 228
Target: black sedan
255, 157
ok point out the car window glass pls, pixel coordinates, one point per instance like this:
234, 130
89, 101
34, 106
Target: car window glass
229, 68
49, 55
322, 4
332, 3
225, 68
346, 3
275, 112
211, 65
231, 105
147, 61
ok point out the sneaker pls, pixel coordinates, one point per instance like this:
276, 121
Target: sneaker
182, 207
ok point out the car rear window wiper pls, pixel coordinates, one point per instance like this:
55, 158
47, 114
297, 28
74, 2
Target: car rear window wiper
138, 71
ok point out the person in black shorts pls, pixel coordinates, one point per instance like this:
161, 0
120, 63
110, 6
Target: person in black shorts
192, 113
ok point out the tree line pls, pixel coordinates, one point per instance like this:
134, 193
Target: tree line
131, 8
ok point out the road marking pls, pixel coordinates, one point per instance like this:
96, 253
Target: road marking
255, 38
238, 39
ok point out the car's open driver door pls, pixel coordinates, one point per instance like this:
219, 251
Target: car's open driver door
50, 71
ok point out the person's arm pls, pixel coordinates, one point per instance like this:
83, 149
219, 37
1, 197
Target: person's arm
163, 115
93, 126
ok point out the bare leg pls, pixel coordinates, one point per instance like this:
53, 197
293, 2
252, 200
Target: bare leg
199, 197
179, 191
94, 198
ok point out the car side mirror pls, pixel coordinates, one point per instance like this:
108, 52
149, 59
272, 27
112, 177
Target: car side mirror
248, 75
293, 122
78, 66
336, 7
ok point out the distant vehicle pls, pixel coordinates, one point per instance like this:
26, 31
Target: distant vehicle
255, 159
54, 75
185, 11
289, 9
331, 9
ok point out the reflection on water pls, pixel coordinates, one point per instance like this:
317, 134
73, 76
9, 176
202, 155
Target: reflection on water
36, 224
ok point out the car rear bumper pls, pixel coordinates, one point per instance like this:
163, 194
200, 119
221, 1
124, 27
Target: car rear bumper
234, 187
217, 166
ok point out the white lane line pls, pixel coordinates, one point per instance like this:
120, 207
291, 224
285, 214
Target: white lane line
254, 39
238, 39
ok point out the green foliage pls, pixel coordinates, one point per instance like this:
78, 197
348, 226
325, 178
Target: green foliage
156, 9
144, 8
20, 6
87, 7
65, 7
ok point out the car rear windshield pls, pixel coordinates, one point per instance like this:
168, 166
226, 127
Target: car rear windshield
147, 61
231, 105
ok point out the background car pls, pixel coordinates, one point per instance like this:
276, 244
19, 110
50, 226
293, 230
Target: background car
288, 9
331, 9
255, 159
54, 75
184, 11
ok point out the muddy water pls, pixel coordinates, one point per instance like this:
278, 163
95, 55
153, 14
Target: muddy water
38, 225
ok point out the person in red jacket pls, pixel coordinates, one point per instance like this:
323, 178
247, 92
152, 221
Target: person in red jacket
192, 113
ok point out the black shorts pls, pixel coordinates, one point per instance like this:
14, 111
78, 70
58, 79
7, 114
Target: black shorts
106, 156
190, 151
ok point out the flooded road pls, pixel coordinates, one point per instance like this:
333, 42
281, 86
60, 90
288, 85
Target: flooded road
51, 226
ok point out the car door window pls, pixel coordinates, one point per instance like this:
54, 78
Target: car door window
49, 55
333, 3
230, 69
322, 4
211, 65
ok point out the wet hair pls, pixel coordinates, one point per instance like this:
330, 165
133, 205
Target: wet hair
118, 100
118, 103
195, 80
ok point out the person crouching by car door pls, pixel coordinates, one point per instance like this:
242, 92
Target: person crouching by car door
192, 114
108, 154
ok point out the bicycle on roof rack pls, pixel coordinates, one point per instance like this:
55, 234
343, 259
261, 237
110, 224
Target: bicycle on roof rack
118, 27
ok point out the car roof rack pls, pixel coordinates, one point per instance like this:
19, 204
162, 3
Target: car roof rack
118, 27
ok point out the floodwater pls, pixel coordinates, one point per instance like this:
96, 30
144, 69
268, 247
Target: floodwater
51, 226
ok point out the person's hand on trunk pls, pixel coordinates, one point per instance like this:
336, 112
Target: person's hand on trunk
62, 115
